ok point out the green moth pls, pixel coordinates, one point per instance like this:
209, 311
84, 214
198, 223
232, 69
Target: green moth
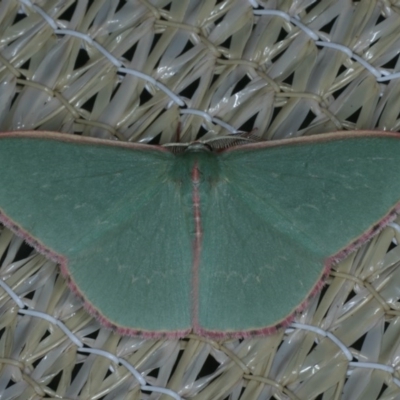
222, 242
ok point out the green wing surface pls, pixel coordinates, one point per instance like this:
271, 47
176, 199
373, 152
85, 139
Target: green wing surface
113, 214
227, 244
278, 218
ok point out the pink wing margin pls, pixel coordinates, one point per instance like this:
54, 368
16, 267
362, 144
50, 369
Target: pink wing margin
266, 331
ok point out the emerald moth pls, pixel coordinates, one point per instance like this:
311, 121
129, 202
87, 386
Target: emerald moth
229, 242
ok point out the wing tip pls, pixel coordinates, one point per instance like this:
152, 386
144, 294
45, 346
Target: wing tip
23, 234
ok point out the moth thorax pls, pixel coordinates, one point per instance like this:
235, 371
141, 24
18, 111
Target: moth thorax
197, 147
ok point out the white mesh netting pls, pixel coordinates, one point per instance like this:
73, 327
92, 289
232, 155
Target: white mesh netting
144, 70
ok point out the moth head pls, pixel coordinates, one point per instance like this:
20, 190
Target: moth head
216, 144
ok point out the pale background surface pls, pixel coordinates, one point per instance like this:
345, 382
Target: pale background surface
71, 66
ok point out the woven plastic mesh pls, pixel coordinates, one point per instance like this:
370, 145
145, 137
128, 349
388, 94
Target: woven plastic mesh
166, 70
